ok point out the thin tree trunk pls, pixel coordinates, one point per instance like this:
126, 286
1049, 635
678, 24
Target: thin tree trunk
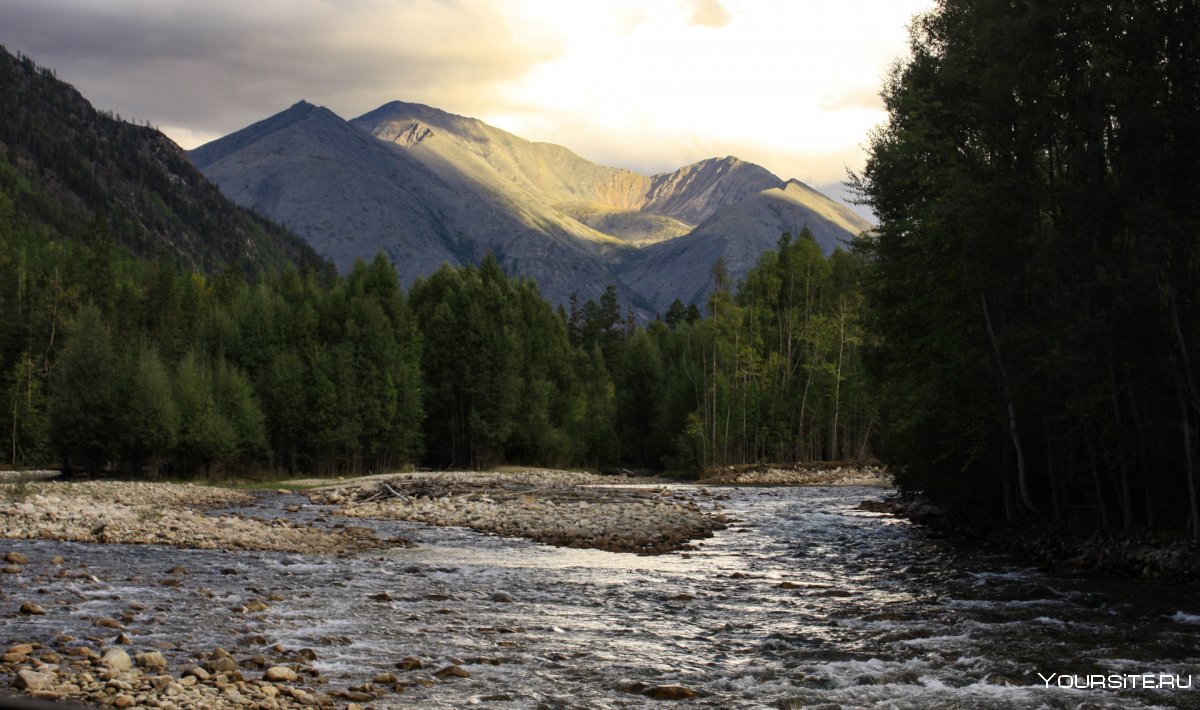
1055, 502
1123, 468
837, 382
1100, 502
1022, 482
866, 437
1190, 462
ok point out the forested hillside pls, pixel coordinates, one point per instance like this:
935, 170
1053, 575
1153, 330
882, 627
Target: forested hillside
112, 363
149, 326
1035, 278
62, 163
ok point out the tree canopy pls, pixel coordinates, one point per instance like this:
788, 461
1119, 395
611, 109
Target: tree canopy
1033, 282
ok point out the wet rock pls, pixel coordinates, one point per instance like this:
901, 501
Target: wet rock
33, 680
124, 701
16, 558
680, 598
502, 597
280, 674
409, 664
109, 623
669, 692
22, 649
789, 585
255, 605
384, 678
11, 569
381, 597
117, 659
222, 664
152, 660
634, 687
32, 608
197, 672
452, 671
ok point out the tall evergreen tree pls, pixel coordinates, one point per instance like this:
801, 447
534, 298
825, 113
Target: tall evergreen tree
1033, 279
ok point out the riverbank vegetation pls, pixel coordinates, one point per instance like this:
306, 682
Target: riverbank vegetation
1034, 282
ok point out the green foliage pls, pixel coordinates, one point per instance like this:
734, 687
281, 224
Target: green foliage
1033, 281
150, 418
83, 417
500, 373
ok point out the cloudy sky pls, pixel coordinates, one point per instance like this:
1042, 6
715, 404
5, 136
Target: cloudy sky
645, 84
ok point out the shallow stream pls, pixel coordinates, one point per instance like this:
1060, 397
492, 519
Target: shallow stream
805, 602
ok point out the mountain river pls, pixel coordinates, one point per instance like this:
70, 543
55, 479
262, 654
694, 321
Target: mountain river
805, 602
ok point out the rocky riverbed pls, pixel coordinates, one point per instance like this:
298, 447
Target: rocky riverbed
105, 665
807, 601
810, 474
160, 514
555, 507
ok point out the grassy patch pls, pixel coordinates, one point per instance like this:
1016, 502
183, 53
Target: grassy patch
14, 492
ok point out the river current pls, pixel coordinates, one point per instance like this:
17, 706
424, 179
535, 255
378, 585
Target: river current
806, 601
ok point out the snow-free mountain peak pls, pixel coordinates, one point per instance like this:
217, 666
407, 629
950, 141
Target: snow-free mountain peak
431, 187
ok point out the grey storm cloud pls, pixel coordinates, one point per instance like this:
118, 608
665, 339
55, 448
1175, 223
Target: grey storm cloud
218, 65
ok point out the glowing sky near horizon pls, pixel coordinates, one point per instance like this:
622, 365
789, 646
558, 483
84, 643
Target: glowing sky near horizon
645, 84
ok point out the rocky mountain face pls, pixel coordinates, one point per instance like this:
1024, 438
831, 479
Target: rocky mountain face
62, 164
429, 187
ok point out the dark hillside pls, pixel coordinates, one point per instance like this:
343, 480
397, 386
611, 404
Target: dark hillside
62, 163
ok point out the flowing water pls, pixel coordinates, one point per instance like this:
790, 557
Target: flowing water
805, 602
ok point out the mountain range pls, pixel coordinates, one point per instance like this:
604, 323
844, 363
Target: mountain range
429, 187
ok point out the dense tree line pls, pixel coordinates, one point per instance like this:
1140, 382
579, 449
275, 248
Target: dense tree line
110, 362
1035, 279
114, 363
773, 373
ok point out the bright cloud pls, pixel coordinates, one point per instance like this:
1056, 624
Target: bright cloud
646, 85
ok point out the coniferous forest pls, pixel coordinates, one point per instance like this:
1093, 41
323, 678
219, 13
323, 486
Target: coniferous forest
1035, 280
114, 363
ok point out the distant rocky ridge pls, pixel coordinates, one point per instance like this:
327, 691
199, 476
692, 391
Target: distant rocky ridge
429, 187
